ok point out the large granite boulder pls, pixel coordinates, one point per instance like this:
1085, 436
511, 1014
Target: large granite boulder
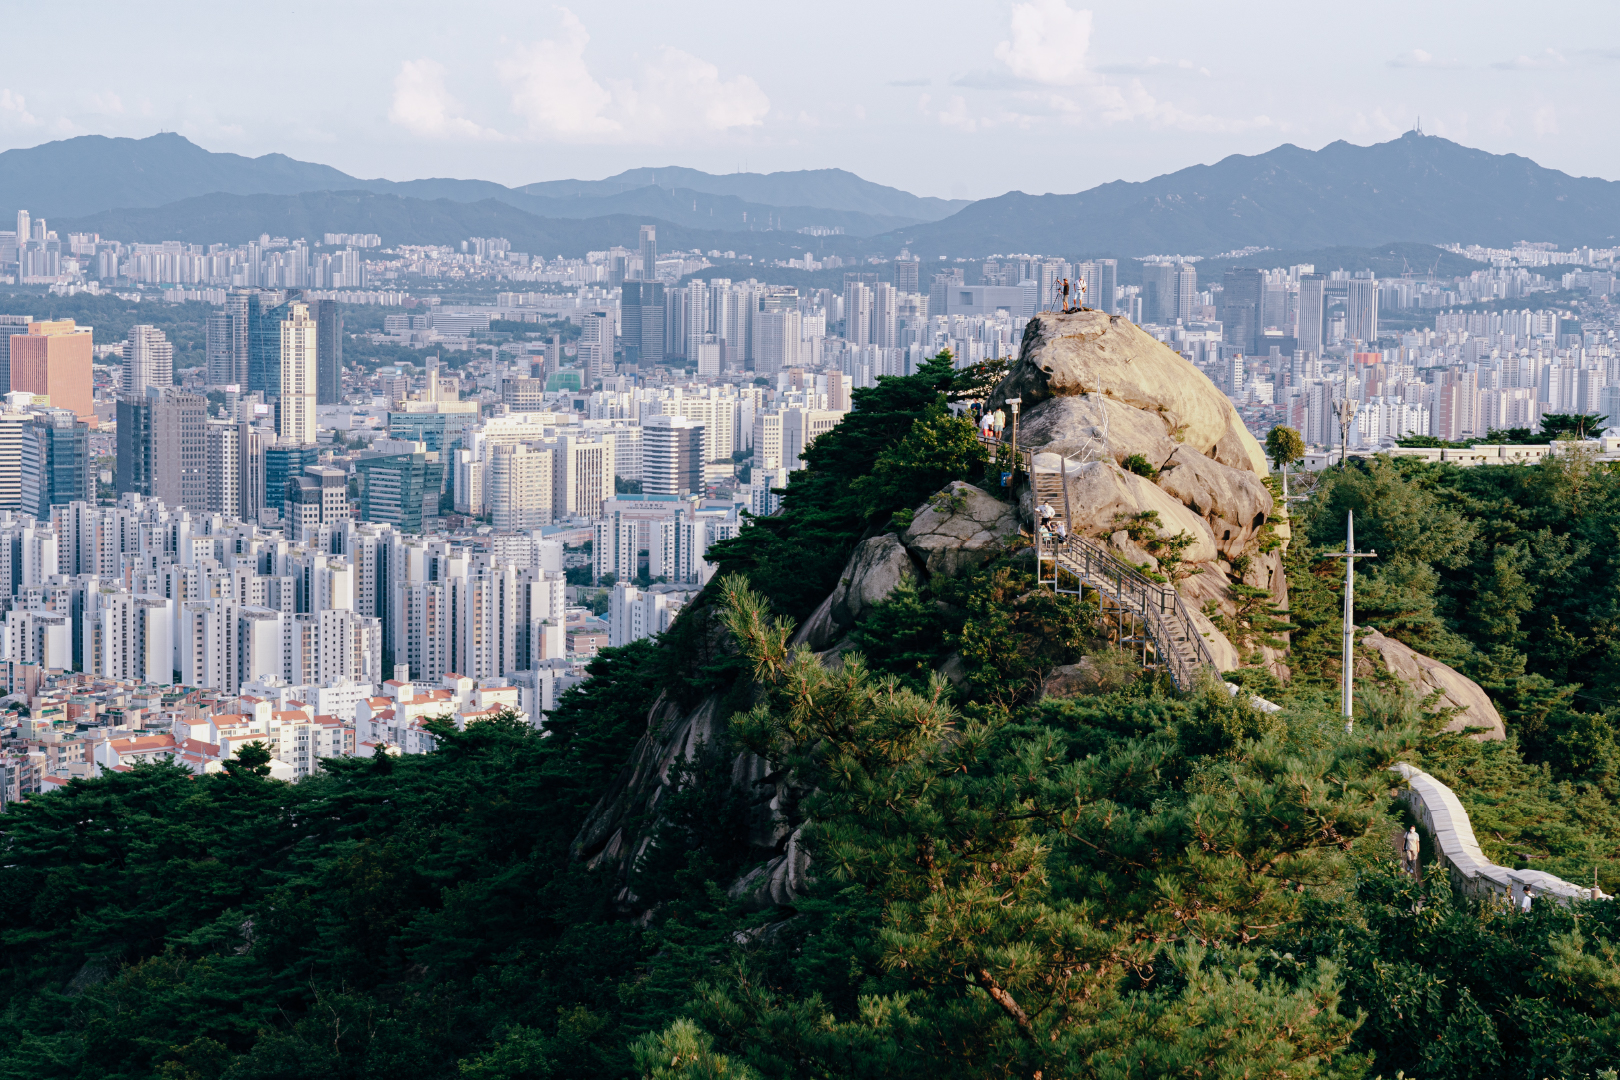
876, 569
1234, 502
1098, 490
1094, 426
1091, 352
960, 528
1425, 675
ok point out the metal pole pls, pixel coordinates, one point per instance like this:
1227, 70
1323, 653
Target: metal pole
1347, 704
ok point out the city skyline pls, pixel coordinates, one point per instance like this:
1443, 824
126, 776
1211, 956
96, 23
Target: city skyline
1069, 96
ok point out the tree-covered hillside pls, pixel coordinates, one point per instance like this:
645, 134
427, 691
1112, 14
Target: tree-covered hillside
1114, 881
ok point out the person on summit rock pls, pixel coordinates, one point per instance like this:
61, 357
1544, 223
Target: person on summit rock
1065, 296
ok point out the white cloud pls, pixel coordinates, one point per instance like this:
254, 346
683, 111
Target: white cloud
1422, 58
424, 106
1049, 43
1046, 56
553, 89
1546, 58
14, 111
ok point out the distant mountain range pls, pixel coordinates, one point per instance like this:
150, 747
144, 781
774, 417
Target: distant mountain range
1416, 188
76, 177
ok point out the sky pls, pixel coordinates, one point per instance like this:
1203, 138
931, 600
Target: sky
954, 98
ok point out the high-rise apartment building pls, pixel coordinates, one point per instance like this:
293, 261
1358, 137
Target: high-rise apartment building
296, 416
596, 347
671, 456
328, 353
148, 359
54, 359
520, 487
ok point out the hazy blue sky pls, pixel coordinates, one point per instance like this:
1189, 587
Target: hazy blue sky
951, 97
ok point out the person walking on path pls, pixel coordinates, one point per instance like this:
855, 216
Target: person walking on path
1529, 896
1411, 852
1000, 420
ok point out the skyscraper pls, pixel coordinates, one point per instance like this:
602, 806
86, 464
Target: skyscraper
649, 253
906, 274
54, 359
148, 359
296, 418
630, 320
264, 318
1240, 314
595, 347
1361, 309
1159, 292
328, 353
1309, 332
162, 447
56, 463
671, 456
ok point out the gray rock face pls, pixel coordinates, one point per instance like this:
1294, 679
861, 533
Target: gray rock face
1234, 502
876, 569
1091, 352
1100, 489
779, 882
959, 529
1425, 675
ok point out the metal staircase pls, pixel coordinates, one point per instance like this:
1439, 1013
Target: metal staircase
1149, 616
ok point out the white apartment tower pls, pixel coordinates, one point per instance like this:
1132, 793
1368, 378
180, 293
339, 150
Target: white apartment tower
297, 421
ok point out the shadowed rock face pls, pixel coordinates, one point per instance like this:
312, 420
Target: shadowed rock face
1425, 675
959, 528
1090, 352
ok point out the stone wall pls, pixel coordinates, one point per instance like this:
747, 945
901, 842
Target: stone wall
1441, 816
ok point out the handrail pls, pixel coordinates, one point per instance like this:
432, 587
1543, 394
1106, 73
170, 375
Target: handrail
1163, 611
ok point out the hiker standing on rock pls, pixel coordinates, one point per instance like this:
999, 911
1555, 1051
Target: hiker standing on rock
1065, 296
1412, 843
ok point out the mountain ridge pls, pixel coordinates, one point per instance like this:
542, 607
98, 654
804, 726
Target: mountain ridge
1420, 187
88, 174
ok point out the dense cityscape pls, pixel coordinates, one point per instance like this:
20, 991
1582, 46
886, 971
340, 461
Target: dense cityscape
278, 526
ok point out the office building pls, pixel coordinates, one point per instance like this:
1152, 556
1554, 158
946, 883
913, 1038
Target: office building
55, 466
282, 462
54, 359
265, 314
671, 456
148, 359
906, 274
295, 418
649, 252
1308, 330
162, 447
400, 489
1361, 309
328, 353
318, 497
1241, 310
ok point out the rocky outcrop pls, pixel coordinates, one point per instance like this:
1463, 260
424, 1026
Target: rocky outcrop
876, 569
959, 529
1426, 675
777, 883
1233, 502
1091, 352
